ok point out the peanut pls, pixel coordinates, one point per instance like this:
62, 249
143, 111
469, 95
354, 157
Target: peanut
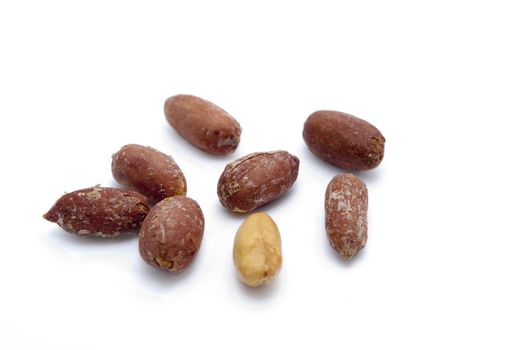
257, 250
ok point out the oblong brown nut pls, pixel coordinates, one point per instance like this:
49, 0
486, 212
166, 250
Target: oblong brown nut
203, 124
256, 179
257, 250
148, 171
99, 211
346, 205
171, 234
344, 140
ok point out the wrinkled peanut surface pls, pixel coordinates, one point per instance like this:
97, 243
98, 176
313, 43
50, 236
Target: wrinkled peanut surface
257, 250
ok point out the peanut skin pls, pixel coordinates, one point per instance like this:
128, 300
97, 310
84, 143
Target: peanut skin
346, 206
257, 250
99, 211
148, 171
344, 140
171, 234
203, 124
256, 179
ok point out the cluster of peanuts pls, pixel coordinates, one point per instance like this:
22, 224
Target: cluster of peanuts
172, 224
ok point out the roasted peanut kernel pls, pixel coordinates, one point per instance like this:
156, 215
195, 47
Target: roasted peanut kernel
257, 179
257, 250
171, 234
346, 206
148, 171
99, 211
203, 124
344, 140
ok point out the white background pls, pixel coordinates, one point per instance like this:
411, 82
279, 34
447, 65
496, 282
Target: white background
445, 83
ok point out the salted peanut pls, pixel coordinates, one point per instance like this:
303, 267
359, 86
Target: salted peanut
346, 205
99, 211
171, 234
257, 250
344, 140
148, 171
256, 179
203, 124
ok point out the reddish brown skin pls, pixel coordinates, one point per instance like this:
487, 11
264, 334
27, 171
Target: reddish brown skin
344, 140
256, 179
171, 234
346, 206
203, 124
148, 171
99, 211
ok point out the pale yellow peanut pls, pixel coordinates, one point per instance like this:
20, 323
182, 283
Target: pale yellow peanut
257, 250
